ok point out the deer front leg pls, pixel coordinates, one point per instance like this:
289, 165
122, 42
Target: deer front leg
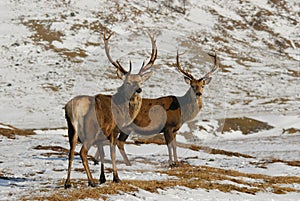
170, 154
174, 146
113, 159
83, 156
170, 138
120, 143
97, 157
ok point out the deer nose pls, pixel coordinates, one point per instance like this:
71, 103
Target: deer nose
139, 90
198, 94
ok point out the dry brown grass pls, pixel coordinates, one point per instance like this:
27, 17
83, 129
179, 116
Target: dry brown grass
12, 131
245, 125
59, 152
43, 33
291, 131
193, 177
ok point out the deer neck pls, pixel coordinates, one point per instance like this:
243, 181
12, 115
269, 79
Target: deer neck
190, 105
125, 108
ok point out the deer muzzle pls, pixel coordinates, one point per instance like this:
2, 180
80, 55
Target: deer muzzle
139, 90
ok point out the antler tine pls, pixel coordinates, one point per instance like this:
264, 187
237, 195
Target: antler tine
115, 63
216, 64
187, 74
152, 58
130, 66
143, 64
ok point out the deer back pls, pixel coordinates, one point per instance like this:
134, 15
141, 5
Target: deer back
157, 114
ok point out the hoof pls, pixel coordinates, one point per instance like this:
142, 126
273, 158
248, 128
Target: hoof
174, 164
92, 184
102, 180
116, 180
127, 163
67, 185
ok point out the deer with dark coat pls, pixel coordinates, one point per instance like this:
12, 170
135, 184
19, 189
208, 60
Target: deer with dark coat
170, 112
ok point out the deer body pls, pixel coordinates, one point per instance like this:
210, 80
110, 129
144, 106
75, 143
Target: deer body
175, 111
94, 120
178, 110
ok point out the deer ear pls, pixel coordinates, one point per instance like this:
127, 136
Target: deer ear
207, 80
121, 75
146, 76
187, 80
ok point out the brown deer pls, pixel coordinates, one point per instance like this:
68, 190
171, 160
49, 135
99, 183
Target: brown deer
93, 120
173, 112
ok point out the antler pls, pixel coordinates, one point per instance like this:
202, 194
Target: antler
152, 58
216, 64
187, 74
115, 63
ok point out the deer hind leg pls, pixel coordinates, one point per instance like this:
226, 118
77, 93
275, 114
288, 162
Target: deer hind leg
170, 138
72, 133
83, 155
97, 157
174, 146
120, 143
100, 151
116, 178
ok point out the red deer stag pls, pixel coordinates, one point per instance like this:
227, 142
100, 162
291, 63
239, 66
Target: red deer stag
176, 111
95, 119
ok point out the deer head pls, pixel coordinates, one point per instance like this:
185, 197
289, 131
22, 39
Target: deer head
197, 85
132, 82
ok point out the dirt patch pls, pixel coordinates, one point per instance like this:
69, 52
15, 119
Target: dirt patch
264, 163
294, 73
11, 131
59, 152
45, 36
244, 124
159, 139
291, 131
279, 101
53, 148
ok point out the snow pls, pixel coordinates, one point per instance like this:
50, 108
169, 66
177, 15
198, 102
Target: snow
181, 193
36, 80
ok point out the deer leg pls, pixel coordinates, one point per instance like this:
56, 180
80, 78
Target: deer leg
120, 143
83, 155
168, 138
113, 159
174, 146
97, 157
171, 164
73, 141
101, 154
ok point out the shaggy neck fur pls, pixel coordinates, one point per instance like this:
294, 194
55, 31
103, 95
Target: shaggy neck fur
125, 109
190, 105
